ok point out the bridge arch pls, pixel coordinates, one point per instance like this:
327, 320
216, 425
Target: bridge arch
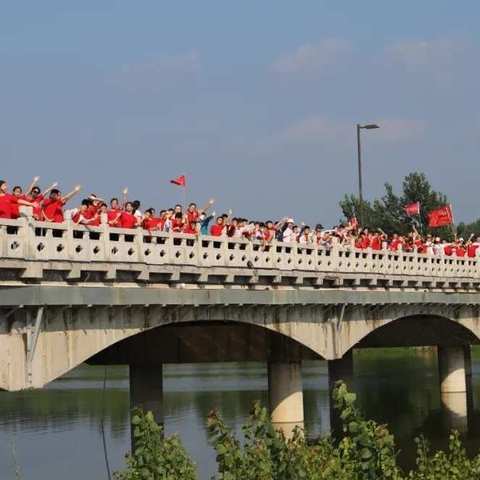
414, 327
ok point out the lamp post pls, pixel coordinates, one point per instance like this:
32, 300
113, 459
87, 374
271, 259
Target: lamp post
369, 126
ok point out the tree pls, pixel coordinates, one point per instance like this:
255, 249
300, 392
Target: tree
388, 212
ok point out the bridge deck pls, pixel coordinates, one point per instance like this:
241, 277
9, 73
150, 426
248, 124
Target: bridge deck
42, 251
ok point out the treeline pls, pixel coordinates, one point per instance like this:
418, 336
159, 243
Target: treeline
365, 452
388, 214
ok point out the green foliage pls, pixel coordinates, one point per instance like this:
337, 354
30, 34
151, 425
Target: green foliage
367, 447
267, 455
387, 212
451, 465
155, 457
365, 452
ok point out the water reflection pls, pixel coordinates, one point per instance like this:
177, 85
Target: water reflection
57, 430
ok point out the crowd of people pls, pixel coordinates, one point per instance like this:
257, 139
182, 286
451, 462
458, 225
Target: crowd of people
50, 205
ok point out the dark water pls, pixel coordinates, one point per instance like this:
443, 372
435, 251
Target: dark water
55, 433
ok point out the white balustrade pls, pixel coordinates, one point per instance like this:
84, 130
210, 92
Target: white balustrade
26, 239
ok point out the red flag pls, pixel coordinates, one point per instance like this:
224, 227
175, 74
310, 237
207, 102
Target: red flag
412, 209
440, 217
180, 181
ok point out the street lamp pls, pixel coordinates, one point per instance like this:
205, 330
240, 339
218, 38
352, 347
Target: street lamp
369, 126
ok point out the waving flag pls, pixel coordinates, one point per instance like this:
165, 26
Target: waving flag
440, 217
180, 181
412, 209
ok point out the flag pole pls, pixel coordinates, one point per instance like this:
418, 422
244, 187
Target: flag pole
452, 226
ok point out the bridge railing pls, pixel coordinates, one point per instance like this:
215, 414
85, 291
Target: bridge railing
43, 241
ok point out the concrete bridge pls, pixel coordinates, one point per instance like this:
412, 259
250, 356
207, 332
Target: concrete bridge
71, 294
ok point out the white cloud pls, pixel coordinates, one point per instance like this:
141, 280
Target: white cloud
417, 55
312, 58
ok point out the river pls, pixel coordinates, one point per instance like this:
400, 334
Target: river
55, 433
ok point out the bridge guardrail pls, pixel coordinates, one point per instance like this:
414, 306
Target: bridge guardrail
43, 241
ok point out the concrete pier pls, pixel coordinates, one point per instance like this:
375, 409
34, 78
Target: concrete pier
454, 364
146, 390
286, 396
341, 369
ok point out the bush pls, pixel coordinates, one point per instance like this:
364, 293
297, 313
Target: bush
155, 457
366, 451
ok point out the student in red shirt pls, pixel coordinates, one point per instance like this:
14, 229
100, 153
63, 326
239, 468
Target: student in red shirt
15, 209
114, 213
363, 242
128, 219
150, 222
86, 215
218, 229
9, 203
191, 228
459, 248
177, 222
36, 197
448, 249
376, 242
270, 231
192, 213
52, 207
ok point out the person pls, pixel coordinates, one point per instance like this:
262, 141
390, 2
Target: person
205, 222
287, 235
304, 237
191, 228
136, 209
150, 222
85, 215
177, 222
36, 197
128, 218
9, 203
269, 232
52, 207
232, 227
218, 229
114, 213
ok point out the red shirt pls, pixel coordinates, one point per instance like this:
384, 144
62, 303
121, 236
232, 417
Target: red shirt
363, 242
92, 214
268, 234
216, 230
37, 205
8, 206
460, 251
472, 250
190, 229
128, 220
151, 223
192, 216
448, 250
177, 225
376, 243
114, 217
53, 210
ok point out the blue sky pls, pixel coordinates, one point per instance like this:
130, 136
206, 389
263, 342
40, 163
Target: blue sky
255, 102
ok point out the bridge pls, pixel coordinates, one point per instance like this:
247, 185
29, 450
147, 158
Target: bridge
71, 294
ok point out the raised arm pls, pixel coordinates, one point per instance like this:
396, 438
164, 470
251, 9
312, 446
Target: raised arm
208, 206
70, 195
125, 196
51, 187
30, 187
